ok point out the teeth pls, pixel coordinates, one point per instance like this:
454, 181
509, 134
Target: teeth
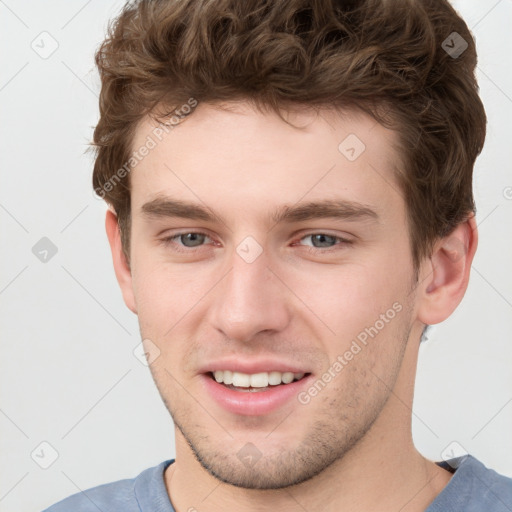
259, 380
255, 380
241, 380
287, 377
226, 377
274, 378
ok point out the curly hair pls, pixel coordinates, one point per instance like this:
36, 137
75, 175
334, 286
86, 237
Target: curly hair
410, 64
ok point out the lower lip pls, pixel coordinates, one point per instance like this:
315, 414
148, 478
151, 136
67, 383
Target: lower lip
253, 403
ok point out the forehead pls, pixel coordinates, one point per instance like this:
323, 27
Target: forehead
234, 155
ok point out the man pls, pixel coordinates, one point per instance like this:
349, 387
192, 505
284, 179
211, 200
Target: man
291, 200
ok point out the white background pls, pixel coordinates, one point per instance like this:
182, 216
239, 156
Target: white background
68, 373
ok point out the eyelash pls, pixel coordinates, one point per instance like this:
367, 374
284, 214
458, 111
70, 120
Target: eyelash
180, 248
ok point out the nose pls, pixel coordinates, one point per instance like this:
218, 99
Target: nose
249, 300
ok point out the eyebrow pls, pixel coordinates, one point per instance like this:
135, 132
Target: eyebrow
163, 207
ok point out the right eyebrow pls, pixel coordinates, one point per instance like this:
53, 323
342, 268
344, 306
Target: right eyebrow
167, 207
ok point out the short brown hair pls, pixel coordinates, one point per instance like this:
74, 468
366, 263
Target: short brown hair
408, 63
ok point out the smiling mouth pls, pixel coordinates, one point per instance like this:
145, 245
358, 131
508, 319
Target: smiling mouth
256, 382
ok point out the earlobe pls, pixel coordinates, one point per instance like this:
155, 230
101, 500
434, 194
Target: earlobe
445, 278
121, 266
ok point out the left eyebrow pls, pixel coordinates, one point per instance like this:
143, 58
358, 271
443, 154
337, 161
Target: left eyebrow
328, 209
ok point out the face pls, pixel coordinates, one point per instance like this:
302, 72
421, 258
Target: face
264, 252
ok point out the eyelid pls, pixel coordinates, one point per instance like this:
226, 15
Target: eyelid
323, 232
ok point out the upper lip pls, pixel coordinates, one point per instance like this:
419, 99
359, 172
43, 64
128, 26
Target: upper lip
253, 366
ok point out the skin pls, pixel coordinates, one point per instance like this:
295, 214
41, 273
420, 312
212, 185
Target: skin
350, 448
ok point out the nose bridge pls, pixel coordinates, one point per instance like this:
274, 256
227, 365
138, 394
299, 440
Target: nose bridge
250, 298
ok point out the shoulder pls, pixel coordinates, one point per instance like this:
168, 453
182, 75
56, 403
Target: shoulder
108, 498
123, 495
474, 488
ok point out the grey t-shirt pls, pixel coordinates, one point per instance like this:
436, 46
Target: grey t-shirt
472, 488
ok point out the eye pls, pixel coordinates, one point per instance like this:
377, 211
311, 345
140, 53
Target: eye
188, 239
323, 241
318, 242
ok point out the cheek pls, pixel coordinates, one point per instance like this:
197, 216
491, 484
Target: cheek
163, 295
349, 298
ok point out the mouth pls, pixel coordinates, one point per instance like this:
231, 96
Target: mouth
255, 382
254, 394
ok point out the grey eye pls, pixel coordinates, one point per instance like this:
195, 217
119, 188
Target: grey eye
321, 240
192, 239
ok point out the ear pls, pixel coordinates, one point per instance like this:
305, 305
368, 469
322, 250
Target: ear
121, 267
445, 275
